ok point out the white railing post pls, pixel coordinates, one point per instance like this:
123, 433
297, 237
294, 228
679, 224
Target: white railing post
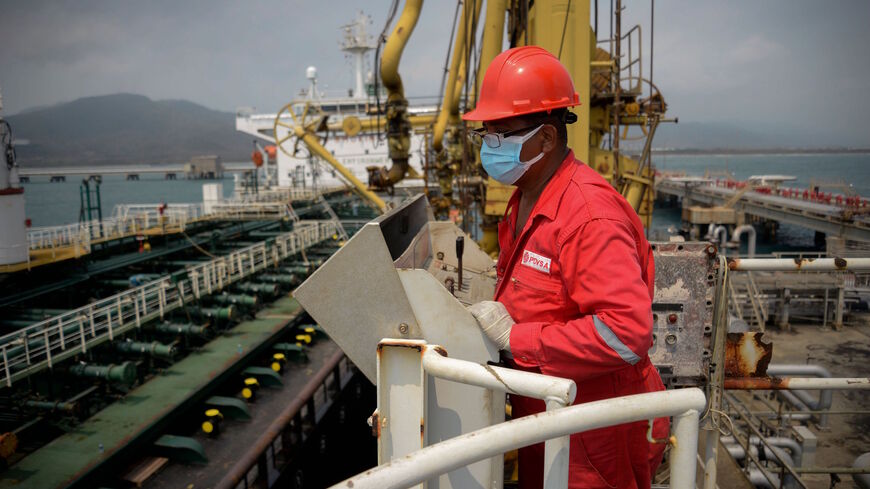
556, 455
6, 368
685, 451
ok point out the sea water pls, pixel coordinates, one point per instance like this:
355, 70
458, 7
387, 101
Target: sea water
55, 203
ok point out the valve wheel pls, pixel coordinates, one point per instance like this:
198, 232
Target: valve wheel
311, 120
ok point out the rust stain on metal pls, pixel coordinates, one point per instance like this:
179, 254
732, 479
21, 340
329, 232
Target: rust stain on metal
376, 425
440, 350
746, 355
733, 263
422, 431
840, 262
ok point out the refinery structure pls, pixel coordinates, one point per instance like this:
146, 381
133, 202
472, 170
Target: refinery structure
312, 330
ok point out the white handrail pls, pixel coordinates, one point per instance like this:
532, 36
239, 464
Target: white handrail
805, 264
429, 462
556, 392
501, 379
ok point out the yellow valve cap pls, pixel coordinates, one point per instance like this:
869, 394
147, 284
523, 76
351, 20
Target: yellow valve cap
251, 381
207, 426
276, 366
334, 237
247, 393
211, 413
310, 330
279, 356
306, 338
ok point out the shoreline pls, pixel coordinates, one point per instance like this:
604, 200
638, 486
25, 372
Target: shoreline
759, 152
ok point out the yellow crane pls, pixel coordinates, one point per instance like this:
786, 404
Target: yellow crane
607, 73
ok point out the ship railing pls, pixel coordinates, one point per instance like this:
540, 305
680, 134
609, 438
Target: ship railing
55, 237
631, 69
47, 342
279, 195
133, 218
248, 210
399, 402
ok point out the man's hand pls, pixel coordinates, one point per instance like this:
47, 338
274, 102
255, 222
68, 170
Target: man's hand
494, 320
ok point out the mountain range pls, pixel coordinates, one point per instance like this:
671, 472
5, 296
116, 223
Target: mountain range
133, 129
125, 129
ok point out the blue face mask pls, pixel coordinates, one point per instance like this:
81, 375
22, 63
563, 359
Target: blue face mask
503, 163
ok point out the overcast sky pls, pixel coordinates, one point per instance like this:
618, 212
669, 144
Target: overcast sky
776, 65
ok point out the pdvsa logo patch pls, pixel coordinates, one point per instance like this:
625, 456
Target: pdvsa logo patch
536, 261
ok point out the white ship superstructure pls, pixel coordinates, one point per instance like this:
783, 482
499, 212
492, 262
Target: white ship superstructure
365, 149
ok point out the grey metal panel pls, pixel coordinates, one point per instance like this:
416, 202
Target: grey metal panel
401, 225
683, 311
357, 297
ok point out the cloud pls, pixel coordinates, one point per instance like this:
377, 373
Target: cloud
774, 61
756, 48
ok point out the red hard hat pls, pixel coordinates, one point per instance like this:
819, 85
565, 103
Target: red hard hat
521, 81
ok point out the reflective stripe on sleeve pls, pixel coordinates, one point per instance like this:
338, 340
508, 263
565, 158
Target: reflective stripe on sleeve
614, 342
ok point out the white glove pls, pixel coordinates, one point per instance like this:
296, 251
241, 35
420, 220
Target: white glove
494, 320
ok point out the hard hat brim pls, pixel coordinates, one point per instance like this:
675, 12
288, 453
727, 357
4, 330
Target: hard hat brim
483, 114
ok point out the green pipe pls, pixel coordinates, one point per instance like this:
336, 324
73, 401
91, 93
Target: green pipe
321, 253
184, 263
234, 299
227, 313
296, 270
154, 349
118, 282
182, 329
124, 373
52, 406
40, 313
279, 279
20, 323
265, 234
255, 288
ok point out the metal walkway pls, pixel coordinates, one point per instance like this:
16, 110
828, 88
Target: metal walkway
42, 344
52, 244
145, 409
826, 218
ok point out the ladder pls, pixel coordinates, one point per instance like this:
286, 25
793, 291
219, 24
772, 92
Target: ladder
333, 216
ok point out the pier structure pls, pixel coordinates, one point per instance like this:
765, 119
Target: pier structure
708, 202
131, 172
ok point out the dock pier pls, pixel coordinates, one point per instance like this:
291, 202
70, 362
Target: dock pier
705, 201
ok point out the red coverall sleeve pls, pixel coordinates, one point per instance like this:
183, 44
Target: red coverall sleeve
602, 273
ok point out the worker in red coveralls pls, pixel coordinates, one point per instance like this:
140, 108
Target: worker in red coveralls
575, 272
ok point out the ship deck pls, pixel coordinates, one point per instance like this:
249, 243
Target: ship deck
146, 410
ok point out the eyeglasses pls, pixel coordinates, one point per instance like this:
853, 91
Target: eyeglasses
494, 139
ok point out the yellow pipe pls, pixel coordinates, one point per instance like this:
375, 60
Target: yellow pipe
395, 45
453, 117
398, 127
493, 38
374, 123
314, 145
458, 53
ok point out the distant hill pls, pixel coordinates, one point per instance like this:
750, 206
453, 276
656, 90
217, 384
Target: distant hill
126, 128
